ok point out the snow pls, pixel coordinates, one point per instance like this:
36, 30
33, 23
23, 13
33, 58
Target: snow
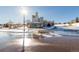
49, 27
11, 30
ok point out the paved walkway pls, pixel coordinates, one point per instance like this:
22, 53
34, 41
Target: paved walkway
54, 44
47, 44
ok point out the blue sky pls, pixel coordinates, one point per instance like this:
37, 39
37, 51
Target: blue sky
56, 13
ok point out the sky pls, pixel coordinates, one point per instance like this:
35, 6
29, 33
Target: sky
51, 13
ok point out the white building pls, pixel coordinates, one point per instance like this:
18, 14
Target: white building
36, 21
40, 19
35, 18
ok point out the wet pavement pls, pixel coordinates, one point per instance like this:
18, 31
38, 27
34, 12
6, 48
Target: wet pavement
54, 44
45, 44
35, 46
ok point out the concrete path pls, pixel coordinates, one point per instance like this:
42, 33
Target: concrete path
54, 44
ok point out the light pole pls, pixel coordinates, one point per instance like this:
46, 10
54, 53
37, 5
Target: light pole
23, 47
24, 13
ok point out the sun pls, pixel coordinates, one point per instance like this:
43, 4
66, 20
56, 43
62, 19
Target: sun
24, 11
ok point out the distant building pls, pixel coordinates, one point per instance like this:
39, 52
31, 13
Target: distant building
1, 26
36, 21
41, 19
39, 22
35, 18
11, 25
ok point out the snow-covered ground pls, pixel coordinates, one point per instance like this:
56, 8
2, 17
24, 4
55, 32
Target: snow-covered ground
66, 31
74, 26
61, 31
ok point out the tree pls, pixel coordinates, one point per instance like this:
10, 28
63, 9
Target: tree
45, 22
53, 23
77, 19
48, 25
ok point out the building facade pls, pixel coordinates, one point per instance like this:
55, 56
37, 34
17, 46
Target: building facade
37, 22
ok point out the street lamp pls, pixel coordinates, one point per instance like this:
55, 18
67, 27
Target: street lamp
24, 13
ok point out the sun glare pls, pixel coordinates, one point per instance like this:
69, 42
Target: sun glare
24, 11
27, 41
